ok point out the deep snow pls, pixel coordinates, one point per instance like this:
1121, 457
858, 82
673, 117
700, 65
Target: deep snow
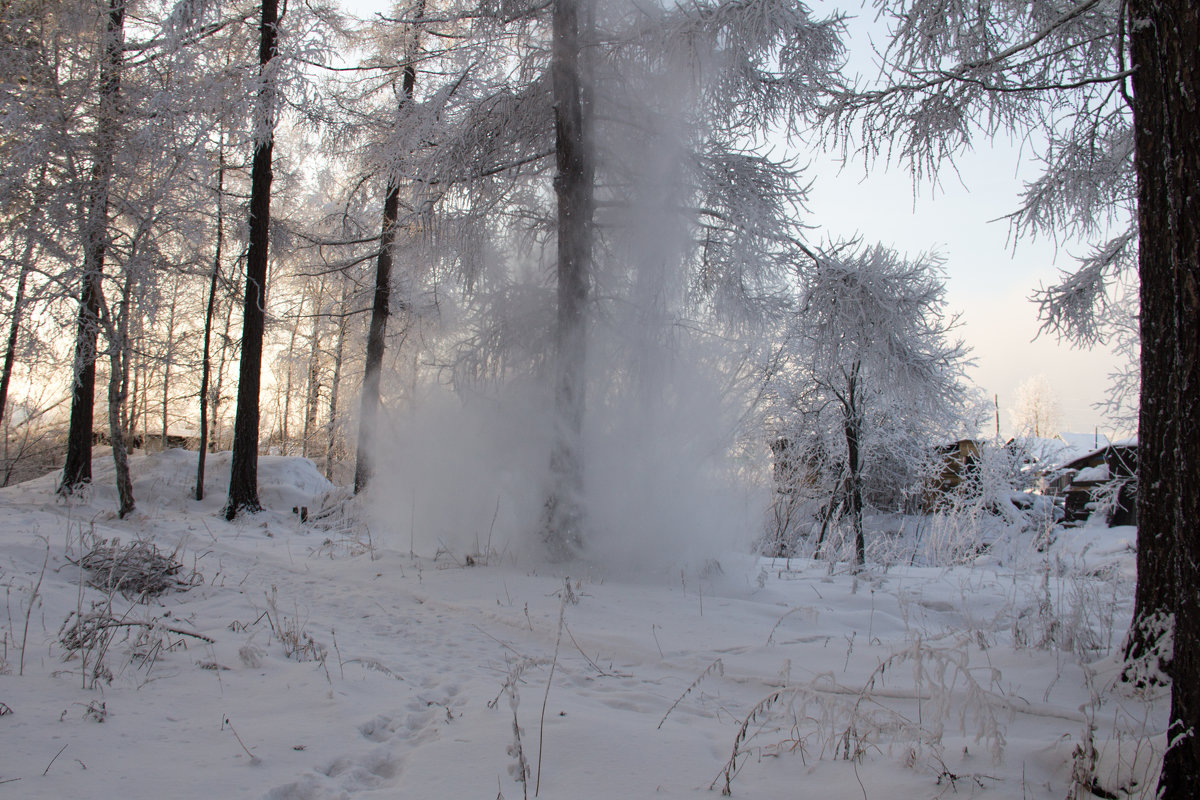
978, 679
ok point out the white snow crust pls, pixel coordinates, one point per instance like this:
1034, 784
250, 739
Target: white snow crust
992, 678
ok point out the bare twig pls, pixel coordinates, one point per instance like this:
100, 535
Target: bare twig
593, 664
32, 599
46, 771
562, 613
717, 666
253, 758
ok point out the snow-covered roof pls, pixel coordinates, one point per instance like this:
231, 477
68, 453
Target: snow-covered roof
1084, 442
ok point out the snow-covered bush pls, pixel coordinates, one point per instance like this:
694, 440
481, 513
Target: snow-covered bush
869, 382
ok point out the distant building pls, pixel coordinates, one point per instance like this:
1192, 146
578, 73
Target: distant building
958, 462
1108, 473
1084, 442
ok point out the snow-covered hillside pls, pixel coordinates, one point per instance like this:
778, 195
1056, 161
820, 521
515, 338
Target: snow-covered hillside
330, 662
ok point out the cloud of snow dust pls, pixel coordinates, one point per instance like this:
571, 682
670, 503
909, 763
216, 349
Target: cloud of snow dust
661, 482
455, 473
663, 411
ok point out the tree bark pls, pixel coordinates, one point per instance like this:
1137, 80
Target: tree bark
380, 307
206, 357
1157, 426
243, 479
1165, 47
77, 469
563, 514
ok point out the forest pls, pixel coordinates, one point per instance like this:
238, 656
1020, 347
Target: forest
465, 322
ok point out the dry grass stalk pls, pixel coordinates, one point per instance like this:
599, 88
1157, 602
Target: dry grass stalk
138, 569
717, 666
850, 720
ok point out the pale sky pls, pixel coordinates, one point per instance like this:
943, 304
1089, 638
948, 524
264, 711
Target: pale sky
990, 279
989, 282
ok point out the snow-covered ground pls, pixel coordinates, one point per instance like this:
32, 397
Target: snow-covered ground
437, 674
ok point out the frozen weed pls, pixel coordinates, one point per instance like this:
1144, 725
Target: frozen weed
90, 635
297, 642
138, 569
844, 722
715, 668
520, 768
1072, 611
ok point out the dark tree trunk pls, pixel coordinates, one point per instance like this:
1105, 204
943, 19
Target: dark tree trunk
1157, 429
77, 469
243, 478
563, 515
206, 358
853, 429
14, 330
380, 307
1165, 46
369, 410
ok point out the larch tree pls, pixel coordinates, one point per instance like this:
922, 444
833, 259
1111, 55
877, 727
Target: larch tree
369, 400
574, 190
77, 468
1035, 412
544, 154
871, 362
1165, 56
243, 479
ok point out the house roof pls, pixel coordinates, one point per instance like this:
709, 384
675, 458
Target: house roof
1085, 442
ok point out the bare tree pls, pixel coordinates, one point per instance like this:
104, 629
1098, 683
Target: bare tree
574, 188
77, 469
1117, 76
870, 358
243, 480
205, 358
1036, 410
381, 298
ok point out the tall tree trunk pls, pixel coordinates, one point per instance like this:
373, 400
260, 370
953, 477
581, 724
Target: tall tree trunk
14, 328
287, 385
135, 369
1165, 46
223, 356
313, 393
1158, 432
563, 514
380, 307
243, 478
167, 355
77, 469
206, 357
853, 420
338, 352
118, 385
